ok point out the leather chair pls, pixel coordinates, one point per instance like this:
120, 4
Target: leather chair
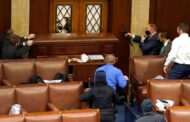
178, 114
7, 99
88, 115
32, 98
44, 117
71, 92
42, 97
84, 115
143, 68
165, 89
17, 71
47, 68
185, 100
12, 118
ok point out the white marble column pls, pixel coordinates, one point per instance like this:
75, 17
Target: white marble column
20, 14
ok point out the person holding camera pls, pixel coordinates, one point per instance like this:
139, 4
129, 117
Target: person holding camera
14, 47
149, 43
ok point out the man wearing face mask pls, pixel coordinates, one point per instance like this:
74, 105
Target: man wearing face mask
179, 55
149, 43
163, 37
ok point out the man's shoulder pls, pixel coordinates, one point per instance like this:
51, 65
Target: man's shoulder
116, 69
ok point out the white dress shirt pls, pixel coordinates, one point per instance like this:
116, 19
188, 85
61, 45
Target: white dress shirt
180, 51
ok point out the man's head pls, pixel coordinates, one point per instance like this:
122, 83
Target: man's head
100, 78
146, 106
163, 36
182, 28
151, 28
110, 59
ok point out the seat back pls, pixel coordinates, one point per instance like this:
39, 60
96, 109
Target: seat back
43, 117
33, 98
165, 89
7, 99
84, 115
18, 71
88, 115
12, 118
1, 72
186, 90
47, 68
146, 67
178, 114
65, 95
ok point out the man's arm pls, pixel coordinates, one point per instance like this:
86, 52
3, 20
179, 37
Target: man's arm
115, 95
121, 79
86, 96
137, 39
147, 46
134, 37
171, 56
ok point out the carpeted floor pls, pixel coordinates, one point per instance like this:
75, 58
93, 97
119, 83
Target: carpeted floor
124, 115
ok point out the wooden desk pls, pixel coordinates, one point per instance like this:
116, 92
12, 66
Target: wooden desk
73, 44
84, 71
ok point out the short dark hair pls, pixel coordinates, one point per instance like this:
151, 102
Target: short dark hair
164, 34
184, 27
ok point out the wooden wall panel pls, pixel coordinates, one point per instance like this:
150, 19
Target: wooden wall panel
119, 17
39, 16
119, 20
167, 14
5, 15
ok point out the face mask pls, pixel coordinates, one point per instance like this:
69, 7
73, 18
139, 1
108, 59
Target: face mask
147, 33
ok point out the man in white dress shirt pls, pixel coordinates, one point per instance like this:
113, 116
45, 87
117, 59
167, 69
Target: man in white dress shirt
179, 54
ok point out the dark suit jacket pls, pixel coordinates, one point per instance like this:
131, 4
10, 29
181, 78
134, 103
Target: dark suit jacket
11, 51
166, 49
151, 117
150, 46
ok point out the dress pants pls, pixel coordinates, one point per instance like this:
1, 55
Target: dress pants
107, 117
179, 71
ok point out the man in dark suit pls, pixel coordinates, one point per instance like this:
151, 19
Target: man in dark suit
149, 43
163, 37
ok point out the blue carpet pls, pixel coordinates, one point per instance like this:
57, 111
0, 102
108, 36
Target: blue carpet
123, 115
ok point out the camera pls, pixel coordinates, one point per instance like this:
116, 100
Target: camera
23, 39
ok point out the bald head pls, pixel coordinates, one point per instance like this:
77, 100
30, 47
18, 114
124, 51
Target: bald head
110, 59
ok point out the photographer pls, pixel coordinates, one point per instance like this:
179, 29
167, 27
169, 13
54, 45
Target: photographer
15, 47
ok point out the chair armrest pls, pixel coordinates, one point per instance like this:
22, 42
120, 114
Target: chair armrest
7, 83
52, 107
84, 105
184, 102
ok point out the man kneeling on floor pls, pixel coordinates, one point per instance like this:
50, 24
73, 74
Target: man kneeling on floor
149, 115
